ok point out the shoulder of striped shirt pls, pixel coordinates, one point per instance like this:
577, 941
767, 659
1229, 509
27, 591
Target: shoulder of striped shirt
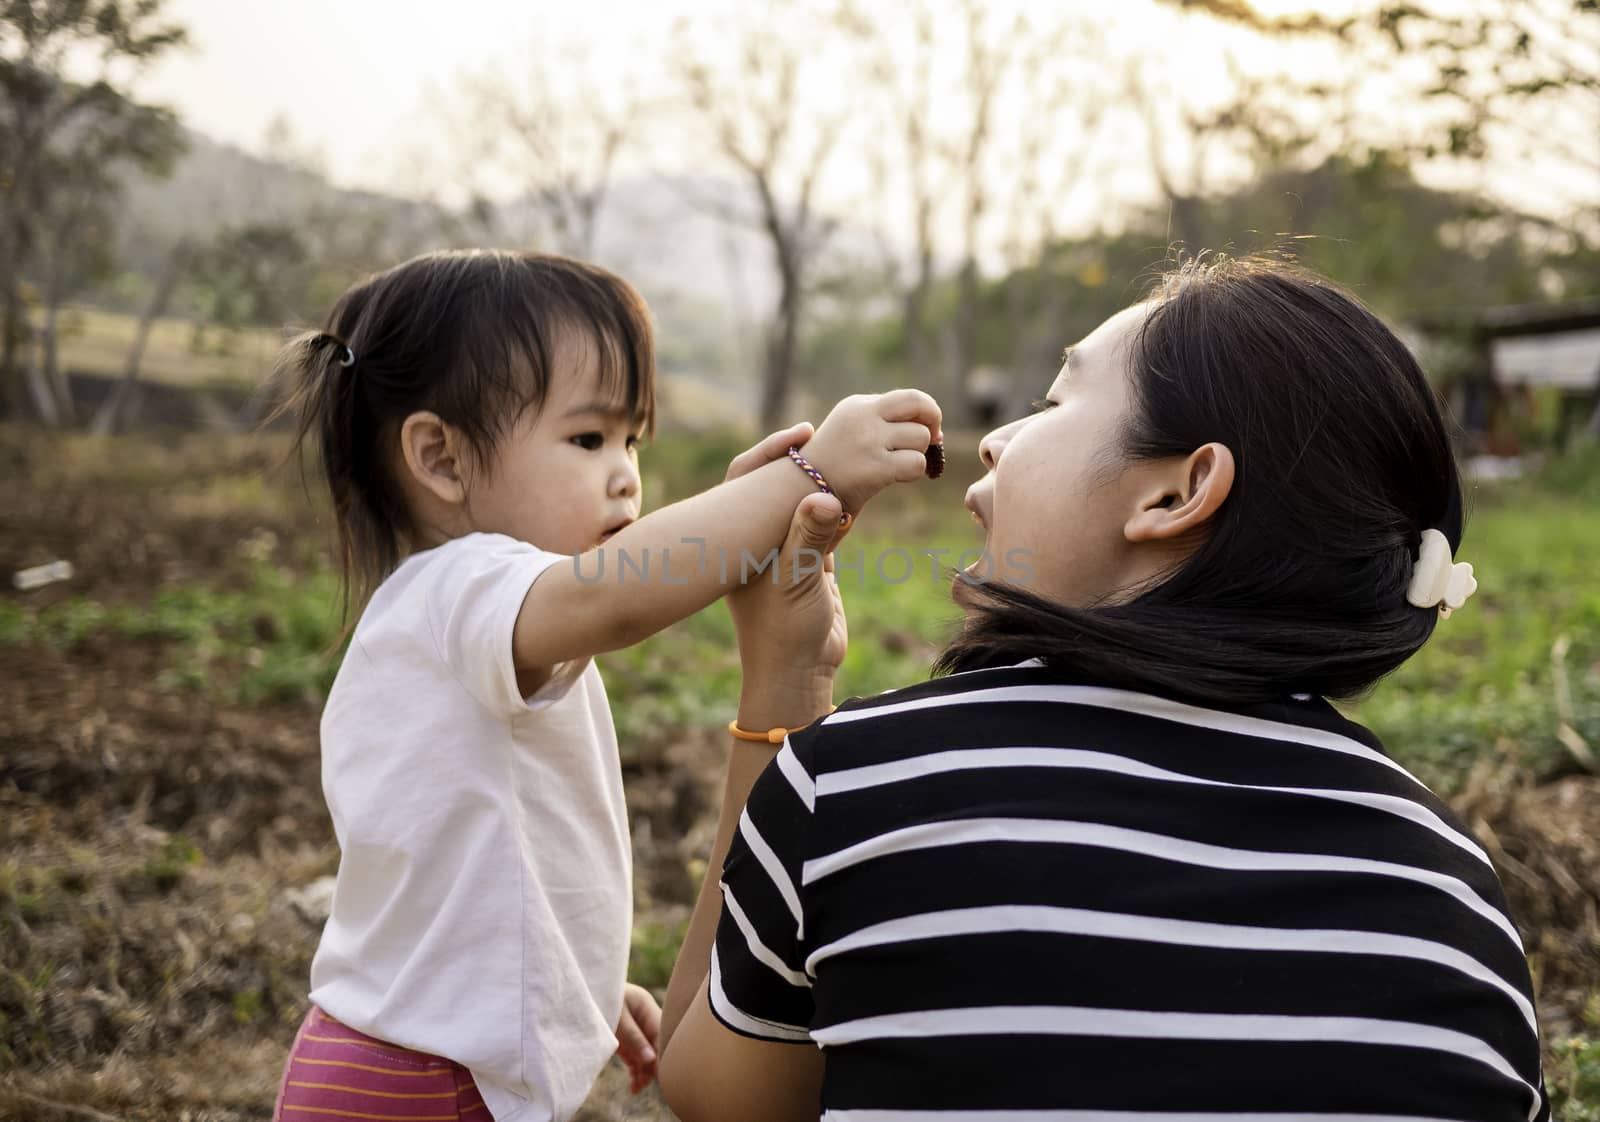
1319, 726
1029, 680
938, 687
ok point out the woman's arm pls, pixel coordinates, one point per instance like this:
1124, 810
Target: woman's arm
709, 1073
791, 641
762, 705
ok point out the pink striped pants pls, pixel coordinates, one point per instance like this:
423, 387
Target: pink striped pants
336, 1072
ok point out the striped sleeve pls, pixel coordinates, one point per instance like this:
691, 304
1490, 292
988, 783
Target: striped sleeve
758, 985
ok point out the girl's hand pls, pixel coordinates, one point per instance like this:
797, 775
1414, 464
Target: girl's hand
638, 1033
790, 621
869, 441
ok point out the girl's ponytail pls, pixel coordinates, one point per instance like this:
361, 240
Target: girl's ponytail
323, 375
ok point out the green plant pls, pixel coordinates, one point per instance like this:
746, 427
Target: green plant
654, 949
1573, 1074
178, 855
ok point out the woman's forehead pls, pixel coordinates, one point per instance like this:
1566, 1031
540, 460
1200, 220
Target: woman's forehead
1106, 343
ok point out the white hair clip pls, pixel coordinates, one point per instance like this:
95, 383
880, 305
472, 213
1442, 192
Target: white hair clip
1436, 582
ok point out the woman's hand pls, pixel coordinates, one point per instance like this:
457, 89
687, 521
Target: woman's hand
773, 446
790, 621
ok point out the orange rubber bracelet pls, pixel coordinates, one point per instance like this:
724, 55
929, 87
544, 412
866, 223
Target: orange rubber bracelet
771, 736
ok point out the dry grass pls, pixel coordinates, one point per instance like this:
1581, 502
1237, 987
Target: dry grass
97, 342
151, 963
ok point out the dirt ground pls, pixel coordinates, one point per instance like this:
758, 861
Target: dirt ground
153, 964
153, 961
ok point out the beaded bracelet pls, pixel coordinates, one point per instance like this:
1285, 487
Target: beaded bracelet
816, 477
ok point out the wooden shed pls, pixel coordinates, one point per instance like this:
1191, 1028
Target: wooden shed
1517, 354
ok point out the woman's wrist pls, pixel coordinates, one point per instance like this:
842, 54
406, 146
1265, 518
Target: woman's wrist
788, 698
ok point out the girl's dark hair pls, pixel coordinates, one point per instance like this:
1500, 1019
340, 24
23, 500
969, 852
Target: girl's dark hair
470, 335
1343, 458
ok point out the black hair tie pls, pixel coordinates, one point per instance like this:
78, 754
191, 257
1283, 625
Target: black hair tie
348, 357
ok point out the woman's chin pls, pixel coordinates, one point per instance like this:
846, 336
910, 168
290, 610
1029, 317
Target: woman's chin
961, 590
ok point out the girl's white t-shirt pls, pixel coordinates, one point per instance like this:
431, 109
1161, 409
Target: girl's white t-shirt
483, 907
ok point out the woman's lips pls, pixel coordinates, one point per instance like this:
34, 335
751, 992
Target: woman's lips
975, 508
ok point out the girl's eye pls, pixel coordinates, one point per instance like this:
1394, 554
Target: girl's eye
590, 441
1044, 404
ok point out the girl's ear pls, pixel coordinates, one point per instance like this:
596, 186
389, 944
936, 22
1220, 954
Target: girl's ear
433, 456
1183, 498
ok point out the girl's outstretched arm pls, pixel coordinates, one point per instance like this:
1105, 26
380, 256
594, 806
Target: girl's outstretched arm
675, 561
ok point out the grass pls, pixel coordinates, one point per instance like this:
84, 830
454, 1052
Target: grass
1517, 670
271, 641
1514, 676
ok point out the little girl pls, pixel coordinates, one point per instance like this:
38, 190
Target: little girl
478, 416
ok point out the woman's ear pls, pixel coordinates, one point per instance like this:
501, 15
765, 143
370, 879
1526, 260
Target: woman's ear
433, 456
1184, 498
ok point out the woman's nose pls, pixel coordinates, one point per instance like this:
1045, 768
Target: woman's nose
990, 447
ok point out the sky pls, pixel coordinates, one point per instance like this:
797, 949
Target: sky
356, 78
369, 86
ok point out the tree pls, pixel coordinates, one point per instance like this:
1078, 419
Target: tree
53, 125
555, 131
113, 411
903, 80
74, 250
762, 115
75, 217
1516, 80
246, 275
982, 117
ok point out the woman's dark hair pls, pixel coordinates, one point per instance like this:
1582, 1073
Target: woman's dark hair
1343, 458
470, 335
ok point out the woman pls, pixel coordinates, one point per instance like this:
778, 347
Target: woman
1124, 860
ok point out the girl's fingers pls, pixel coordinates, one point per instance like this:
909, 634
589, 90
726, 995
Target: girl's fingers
646, 1013
633, 1045
909, 434
908, 465
912, 405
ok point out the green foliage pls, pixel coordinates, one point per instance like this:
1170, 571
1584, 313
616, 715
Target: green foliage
251, 274
1515, 675
247, 1006
165, 869
271, 641
1366, 222
73, 143
1573, 1075
1516, 671
654, 949
1522, 659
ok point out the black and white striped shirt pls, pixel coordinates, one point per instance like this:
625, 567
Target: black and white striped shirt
1003, 896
